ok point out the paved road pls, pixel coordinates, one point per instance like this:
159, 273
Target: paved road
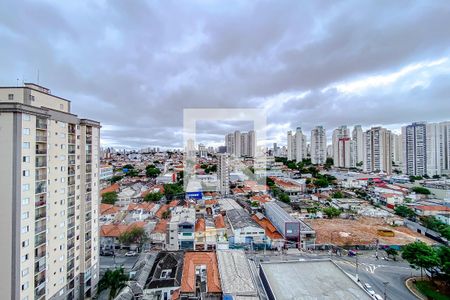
109, 262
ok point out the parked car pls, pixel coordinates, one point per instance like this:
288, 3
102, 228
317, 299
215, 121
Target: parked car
352, 253
130, 253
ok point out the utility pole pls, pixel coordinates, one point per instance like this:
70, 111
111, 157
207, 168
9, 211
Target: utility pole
357, 275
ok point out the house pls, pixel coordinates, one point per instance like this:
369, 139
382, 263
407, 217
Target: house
110, 233
292, 187
208, 232
165, 276
141, 211
108, 213
112, 188
200, 279
159, 233
431, 210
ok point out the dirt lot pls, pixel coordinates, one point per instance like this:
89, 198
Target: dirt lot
362, 231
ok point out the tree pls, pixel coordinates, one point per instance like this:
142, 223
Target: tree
114, 280
391, 252
132, 173
331, 212
128, 167
443, 253
420, 256
109, 197
284, 198
115, 178
321, 183
166, 214
135, 235
421, 190
151, 171
338, 195
153, 197
359, 164
172, 189
329, 161
404, 211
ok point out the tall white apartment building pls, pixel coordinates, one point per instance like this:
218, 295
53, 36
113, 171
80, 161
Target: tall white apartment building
345, 154
340, 139
223, 173
296, 145
378, 150
414, 149
397, 150
318, 145
50, 190
445, 133
434, 149
358, 144
241, 144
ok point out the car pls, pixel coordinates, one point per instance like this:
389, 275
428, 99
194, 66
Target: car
377, 297
130, 253
371, 292
106, 253
367, 286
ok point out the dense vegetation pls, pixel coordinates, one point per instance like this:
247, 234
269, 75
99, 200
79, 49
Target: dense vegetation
109, 197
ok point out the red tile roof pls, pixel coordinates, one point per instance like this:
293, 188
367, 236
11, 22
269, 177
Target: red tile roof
112, 188
161, 210
115, 230
433, 207
161, 227
200, 225
219, 222
146, 206
198, 258
270, 230
106, 209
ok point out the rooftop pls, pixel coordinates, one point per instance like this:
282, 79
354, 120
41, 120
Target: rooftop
319, 279
239, 218
206, 259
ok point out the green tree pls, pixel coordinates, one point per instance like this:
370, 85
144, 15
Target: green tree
321, 183
284, 198
443, 253
109, 197
114, 280
135, 235
338, 195
115, 178
132, 173
152, 172
421, 190
166, 214
404, 211
420, 256
332, 212
153, 197
172, 189
128, 166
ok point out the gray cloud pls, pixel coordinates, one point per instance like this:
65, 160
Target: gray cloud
134, 65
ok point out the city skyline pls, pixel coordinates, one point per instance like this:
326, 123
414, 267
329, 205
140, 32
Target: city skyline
312, 67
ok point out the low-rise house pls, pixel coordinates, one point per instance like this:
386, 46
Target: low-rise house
444, 218
274, 239
158, 236
292, 187
200, 279
141, 211
110, 233
165, 276
431, 210
108, 213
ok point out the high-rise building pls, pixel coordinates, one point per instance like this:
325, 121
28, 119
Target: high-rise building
397, 151
339, 152
358, 140
318, 145
345, 154
434, 149
241, 144
202, 151
414, 149
50, 193
223, 174
378, 150
296, 145
445, 132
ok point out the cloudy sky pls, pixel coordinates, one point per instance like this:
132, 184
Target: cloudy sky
135, 65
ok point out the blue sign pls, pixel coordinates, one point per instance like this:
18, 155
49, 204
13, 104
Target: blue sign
125, 170
194, 195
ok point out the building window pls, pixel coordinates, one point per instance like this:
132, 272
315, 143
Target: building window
25, 187
10, 96
24, 258
26, 145
26, 159
31, 97
25, 272
25, 243
25, 229
25, 201
26, 173
25, 215
26, 117
26, 131
25, 286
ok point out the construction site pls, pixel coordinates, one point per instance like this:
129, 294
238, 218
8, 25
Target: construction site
363, 231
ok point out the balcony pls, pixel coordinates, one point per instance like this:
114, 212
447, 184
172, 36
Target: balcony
41, 162
70, 245
41, 139
71, 193
88, 160
41, 176
39, 240
40, 201
71, 171
71, 202
41, 187
39, 293
41, 124
39, 254
40, 229
88, 189
40, 213
71, 212
41, 151
71, 180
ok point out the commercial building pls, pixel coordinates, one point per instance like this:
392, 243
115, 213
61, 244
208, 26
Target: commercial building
378, 150
288, 226
318, 145
106, 172
245, 229
316, 279
50, 188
